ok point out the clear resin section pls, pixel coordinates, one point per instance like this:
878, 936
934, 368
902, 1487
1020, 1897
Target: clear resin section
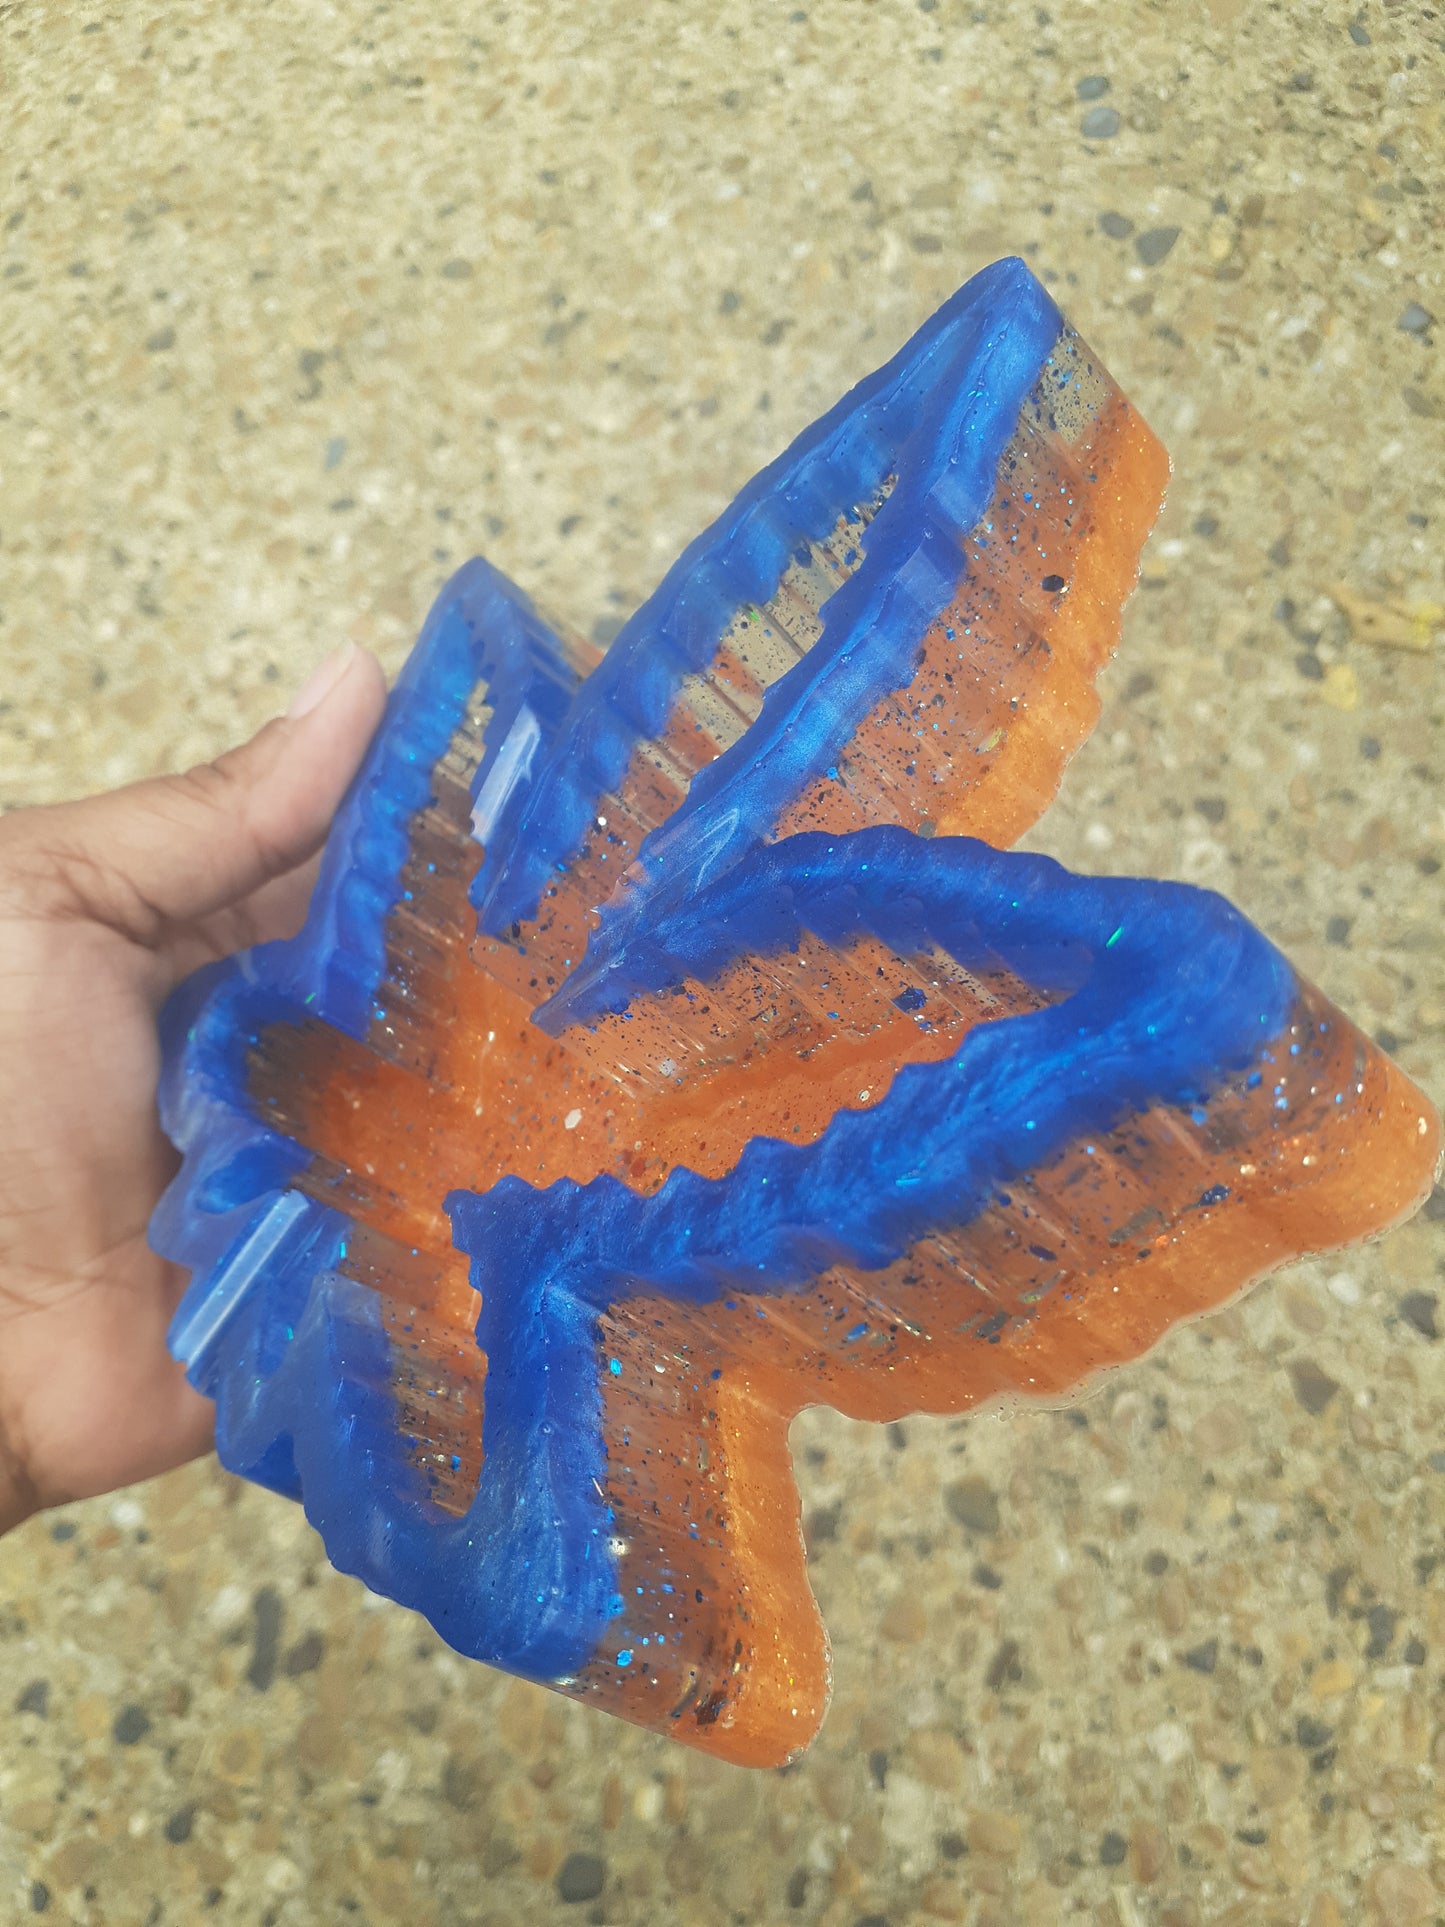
674, 1043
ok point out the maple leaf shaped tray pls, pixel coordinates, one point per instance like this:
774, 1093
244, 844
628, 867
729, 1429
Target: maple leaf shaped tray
674, 1043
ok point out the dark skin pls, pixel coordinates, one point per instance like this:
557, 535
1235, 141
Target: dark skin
104, 906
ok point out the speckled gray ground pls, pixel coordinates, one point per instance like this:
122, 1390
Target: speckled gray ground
301, 305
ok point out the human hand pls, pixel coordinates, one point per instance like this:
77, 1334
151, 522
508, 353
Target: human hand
104, 906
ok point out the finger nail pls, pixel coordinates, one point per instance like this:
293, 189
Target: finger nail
322, 680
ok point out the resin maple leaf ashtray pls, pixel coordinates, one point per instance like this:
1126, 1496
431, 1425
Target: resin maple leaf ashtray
674, 1043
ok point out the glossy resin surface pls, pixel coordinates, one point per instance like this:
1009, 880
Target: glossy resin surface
674, 1044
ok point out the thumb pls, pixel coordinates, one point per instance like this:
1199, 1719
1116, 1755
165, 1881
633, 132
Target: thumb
176, 849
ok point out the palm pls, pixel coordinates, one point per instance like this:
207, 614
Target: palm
91, 1398
104, 906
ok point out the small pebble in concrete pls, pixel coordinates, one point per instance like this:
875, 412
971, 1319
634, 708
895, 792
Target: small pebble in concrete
1152, 246
1415, 320
35, 1699
582, 1877
305, 1656
1418, 1309
974, 1504
1005, 1668
267, 1639
1118, 227
462, 1783
132, 1723
1382, 1621
1092, 87
1099, 124
178, 1827
1313, 1387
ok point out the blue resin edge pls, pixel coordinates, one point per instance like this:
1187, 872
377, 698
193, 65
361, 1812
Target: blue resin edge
939, 414
293, 1353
